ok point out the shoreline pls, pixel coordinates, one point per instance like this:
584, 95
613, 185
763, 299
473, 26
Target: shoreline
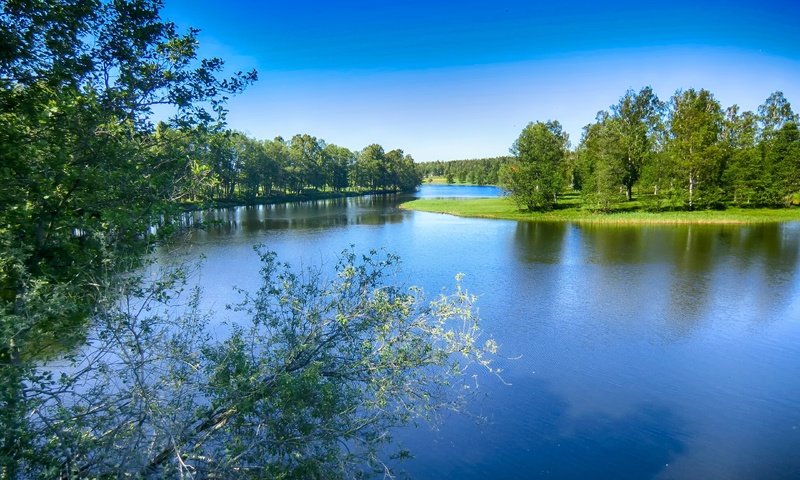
280, 199
504, 209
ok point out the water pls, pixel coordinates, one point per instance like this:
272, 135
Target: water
645, 352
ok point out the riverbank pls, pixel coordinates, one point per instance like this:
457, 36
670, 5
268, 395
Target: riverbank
505, 209
307, 196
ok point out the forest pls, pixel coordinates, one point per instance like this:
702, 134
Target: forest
108, 368
483, 171
686, 153
230, 166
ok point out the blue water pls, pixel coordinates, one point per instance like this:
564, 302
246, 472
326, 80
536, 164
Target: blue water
459, 191
638, 352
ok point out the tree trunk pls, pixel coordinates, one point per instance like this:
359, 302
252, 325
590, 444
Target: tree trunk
692, 181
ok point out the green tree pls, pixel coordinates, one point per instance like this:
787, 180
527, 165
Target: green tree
745, 176
306, 156
223, 152
774, 113
695, 125
257, 168
84, 178
340, 161
408, 177
536, 178
278, 153
778, 158
370, 168
636, 116
310, 385
601, 170
782, 162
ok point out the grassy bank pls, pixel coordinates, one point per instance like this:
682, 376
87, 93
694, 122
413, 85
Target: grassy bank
503, 208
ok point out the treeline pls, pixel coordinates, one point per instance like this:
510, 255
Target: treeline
228, 165
685, 153
484, 171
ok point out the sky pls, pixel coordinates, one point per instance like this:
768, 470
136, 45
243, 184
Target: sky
446, 80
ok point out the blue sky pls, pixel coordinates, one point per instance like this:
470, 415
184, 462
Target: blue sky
450, 80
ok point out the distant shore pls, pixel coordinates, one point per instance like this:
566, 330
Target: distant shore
505, 209
307, 196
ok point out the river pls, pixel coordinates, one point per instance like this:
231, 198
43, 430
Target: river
643, 351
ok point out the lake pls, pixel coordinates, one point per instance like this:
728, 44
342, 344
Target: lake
644, 351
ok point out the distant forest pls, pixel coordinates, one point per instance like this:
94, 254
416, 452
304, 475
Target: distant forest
482, 171
228, 165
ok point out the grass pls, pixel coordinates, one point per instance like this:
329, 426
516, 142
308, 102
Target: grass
571, 211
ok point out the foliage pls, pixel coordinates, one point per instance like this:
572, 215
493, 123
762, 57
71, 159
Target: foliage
636, 121
236, 167
600, 168
309, 385
483, 171
84, 175
690, 154
536, 177
695, 126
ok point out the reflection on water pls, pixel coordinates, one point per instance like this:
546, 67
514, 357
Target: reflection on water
540, 242
312, 215
547, 441
640, 346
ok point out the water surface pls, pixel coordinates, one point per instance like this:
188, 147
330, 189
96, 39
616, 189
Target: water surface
645, 351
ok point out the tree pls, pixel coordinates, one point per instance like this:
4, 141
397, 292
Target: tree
778, 154
278, 153
782, 164
601, 170
695, 125
309, 386
258, 170
535, 179
636, 116
745, 175
83, 176
774, 114
306, 156
408, 177
339, 160
370, 168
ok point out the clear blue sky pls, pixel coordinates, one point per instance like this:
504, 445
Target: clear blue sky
460, 79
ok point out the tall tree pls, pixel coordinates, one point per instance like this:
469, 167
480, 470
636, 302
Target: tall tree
370, 168
778, 125
82, 181
536, 176
599, 155
695, 125
774, 113
782, 160
306, 155
636, 116
339, 161
745, 176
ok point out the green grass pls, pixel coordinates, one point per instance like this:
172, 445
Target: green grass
570, 211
